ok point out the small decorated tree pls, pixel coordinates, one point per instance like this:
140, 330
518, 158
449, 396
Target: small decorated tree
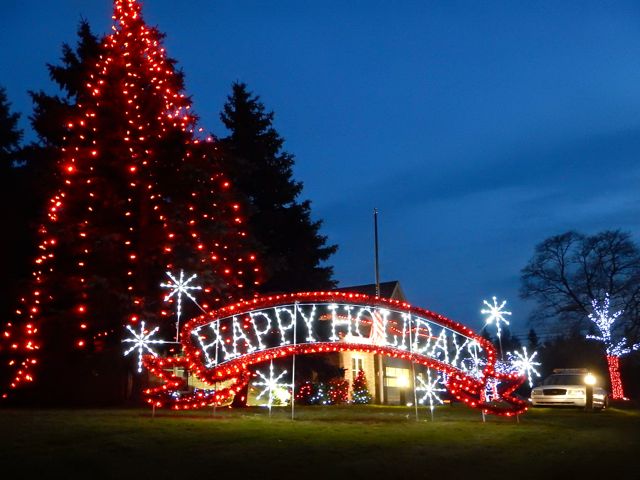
360, 389
304, 393
338, 391
320, 394
311, 393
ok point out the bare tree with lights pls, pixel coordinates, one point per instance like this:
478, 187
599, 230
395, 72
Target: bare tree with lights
567, 271
614, 350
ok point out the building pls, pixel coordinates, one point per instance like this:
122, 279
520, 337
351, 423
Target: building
390, 380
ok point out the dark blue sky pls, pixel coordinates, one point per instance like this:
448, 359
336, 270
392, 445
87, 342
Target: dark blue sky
476, 128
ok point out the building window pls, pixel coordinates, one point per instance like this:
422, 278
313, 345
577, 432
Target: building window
357, 364
397, 377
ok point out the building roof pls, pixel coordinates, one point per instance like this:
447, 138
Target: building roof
387, 290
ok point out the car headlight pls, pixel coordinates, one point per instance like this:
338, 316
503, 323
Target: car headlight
575, 391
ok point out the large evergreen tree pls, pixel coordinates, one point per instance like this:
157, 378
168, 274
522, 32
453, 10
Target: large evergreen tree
49, 119
13, 200
10, 134
292, 249
70, 77
25, 189
138, 195
10, 154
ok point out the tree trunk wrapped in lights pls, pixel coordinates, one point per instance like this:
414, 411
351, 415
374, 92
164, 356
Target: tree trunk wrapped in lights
140, 194
617, 391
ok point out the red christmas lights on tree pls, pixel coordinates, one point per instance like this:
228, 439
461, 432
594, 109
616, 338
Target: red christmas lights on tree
139, 194
338, 391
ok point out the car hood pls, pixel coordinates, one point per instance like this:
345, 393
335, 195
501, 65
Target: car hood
573, 387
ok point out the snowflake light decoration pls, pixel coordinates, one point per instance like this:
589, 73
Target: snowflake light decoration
271, 385
178, 288
430, 390
495, 313
141, 341
525, 364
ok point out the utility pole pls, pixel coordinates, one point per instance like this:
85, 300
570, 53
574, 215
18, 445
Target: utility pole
375, 236
377, 358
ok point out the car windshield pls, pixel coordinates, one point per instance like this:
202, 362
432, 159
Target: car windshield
564, 380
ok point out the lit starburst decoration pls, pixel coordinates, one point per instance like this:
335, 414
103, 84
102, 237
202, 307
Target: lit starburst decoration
178, 288
495, 313
430, 390
525, 364
141, 340
271, 385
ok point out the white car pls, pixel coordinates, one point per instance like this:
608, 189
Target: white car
567, 387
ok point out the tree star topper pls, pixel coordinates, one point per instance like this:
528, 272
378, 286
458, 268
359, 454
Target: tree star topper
141, 341
495, 313
178, 288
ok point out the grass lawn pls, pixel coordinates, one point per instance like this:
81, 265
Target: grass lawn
323, 442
